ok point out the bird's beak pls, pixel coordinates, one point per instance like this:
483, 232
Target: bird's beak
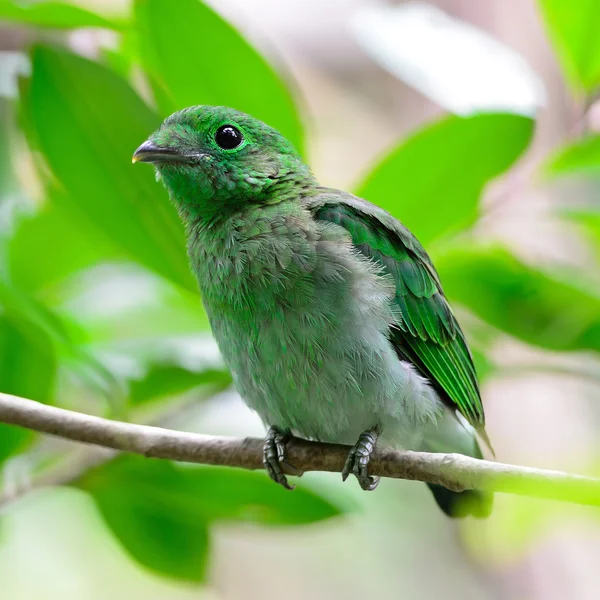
151, 153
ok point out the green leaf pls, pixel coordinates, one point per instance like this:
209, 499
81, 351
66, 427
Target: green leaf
149, 511
58, 243
161, 512
518, 526
150, 310
588, 222
6, 171
28, 369
155, 537
32, 316
163, 380
573, 29
483, 365
28, 360
87, 122
582, 157
57, 15
195, 57
14, 440
39, 324
122, 58
535, 307
236, 495
433, 181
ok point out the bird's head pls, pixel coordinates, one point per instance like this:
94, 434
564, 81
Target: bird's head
212, 159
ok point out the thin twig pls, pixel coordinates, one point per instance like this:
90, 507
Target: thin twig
454, 471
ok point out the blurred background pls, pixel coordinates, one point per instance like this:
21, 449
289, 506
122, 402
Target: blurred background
475, 123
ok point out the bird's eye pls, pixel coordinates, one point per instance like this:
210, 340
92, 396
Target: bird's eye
228, 137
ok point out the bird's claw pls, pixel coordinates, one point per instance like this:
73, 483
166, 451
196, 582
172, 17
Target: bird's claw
358, 460
275, 455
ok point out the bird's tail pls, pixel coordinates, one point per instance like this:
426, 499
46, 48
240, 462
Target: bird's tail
451, 434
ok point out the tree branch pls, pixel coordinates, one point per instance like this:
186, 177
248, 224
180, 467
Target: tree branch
454, 471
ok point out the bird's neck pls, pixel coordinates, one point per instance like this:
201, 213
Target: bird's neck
202, 202
290, 186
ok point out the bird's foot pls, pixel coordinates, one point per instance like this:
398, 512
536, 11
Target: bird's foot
358, 460
275, 455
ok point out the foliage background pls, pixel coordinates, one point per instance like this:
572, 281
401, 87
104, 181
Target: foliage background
98, 311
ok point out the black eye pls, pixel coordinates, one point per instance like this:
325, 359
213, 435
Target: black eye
228, 137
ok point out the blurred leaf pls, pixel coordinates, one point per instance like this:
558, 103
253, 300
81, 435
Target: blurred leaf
590, 221
53, 14
88, 122
53, 244
520, 300
123, 57
26, 311
483, 365
237, 495
13, 440
581, 157
587, 225
171, 380
198, 58
160, 512
517, 526
27, 369
573, 28
6, 176
154, 517
157, 538
123, 302
433, 181
37, 322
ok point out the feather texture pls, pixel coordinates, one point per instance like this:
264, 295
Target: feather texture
327, 310
427, 334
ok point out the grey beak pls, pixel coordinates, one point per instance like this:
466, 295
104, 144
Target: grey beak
151, 153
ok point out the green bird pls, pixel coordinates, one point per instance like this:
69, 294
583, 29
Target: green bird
326, 309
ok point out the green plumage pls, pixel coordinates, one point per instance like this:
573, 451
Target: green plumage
327, 310
427, 334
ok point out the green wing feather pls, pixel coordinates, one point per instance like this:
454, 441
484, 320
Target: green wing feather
428, 334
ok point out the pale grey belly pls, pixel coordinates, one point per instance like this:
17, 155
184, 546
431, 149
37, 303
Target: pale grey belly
328, 383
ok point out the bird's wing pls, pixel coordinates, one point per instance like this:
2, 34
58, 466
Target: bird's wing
427, 334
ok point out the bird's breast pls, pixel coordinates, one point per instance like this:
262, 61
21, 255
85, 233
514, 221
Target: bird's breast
302, 320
